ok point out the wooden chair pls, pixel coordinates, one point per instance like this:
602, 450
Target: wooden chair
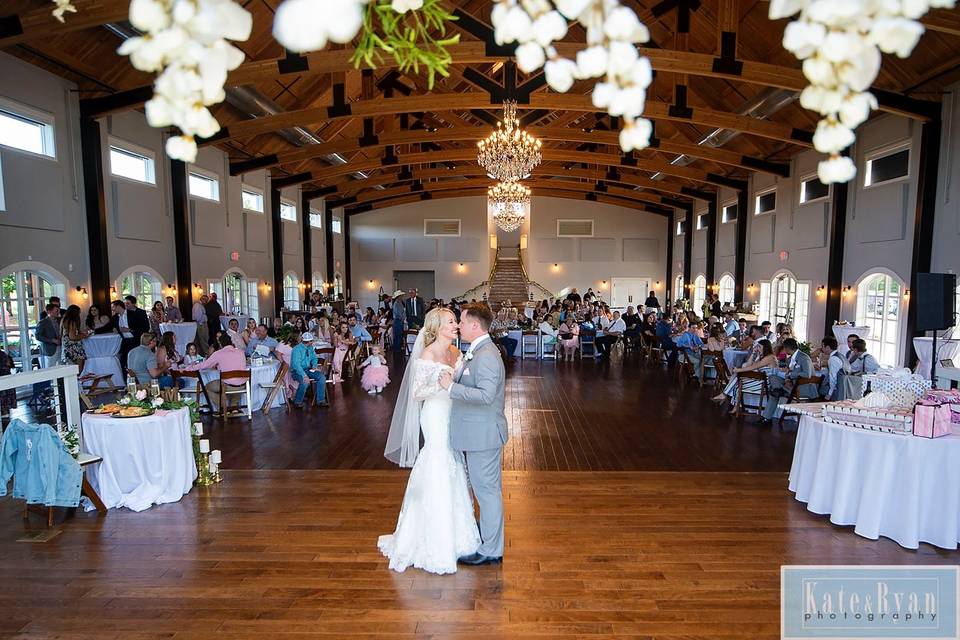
99, 385
708, 362
652, 352
228, 389
588, 343
193, 386
277, 386
759, 381
529, 338
325, 356
723, 372
684, 370
796, 397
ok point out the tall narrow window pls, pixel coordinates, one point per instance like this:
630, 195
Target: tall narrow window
678, 288
727, 288
879, 307
335, 225
291, 292
785, 300
699, 292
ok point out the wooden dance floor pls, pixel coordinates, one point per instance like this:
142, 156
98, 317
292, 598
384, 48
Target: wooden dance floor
633, 511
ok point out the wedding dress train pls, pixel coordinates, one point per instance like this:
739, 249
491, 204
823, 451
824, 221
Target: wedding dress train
436, 524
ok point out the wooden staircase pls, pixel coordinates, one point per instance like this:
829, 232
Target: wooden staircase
508, 280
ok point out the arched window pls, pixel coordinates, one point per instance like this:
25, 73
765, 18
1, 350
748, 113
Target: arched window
879, 297
24, 293
727, 288
143, 285
337, 285
291, 292
317, 281
699, 292
237, 294
678, 289
783, 299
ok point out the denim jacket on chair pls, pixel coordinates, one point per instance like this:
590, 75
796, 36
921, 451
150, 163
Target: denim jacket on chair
43, 470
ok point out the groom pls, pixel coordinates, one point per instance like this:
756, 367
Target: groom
478, 426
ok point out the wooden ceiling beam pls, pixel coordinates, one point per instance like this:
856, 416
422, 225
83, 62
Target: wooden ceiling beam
40, 24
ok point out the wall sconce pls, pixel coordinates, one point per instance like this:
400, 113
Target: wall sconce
656, 285
846, 291
523, 241
266, 285
171, 288
750, 287
603, 284
821, 290
196, 285
113, 292
906, 293
83, 292
461, 267
556, 267
371, 284
493, 241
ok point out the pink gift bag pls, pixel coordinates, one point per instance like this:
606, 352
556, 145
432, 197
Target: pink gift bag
949, 397
931, 419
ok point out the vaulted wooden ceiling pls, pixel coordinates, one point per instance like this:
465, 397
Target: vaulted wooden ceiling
414, 143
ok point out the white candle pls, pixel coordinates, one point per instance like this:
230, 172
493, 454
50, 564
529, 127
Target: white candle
215, 456
213, 467
204, 446
198, 428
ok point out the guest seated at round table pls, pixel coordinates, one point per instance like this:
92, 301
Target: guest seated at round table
765, 359
261, 339
226, 358
98, 323
168, 354
248, 331
233, 332
303, 368
717, 341
142, 363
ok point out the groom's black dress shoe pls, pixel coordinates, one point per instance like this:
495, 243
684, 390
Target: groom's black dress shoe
476, 559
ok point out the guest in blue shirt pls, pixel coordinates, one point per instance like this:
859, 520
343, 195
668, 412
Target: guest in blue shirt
303, 365
665, 334
259, 338
359, 332
730, 325
691, 343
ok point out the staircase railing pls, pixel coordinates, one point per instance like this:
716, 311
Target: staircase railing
533, 283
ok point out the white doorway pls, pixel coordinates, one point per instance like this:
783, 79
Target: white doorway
629, 292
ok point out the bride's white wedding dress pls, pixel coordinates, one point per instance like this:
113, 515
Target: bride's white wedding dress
436, 524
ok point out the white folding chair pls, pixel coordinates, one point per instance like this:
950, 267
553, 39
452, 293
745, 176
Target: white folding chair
548, 350
529, 344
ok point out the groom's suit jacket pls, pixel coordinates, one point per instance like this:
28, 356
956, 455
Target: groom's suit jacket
477, 420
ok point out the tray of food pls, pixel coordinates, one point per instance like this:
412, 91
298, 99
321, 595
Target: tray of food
106, 409
133, 412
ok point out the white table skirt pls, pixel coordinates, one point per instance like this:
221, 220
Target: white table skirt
901, 487
146, 461
260, 374
946, 350
842, 331
186, 333
102, 358
735, 358
225, 322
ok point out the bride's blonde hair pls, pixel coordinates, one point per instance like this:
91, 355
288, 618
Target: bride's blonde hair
431, 324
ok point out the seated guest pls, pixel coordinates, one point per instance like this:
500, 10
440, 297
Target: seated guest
167, 354
248, 331
611, 334
171, 311
850, 340
498, 333
718, 340
142, 363
766, 332
275, 327
835, 363
157, 317
303, 368
730, 324
233, 332
569, 335
631, 321
359, 331
261, 339
665, 335
97, 323
548, 334
227, 358
799, 365
743, 330
691, 344
862, 362
191, 354
765, 359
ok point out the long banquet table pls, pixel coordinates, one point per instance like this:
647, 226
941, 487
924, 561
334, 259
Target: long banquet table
902, 487
102, 351
146, 461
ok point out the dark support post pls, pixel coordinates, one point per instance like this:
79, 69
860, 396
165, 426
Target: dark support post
181, 237
668, 284
307, 241
740, 257
687, 248
276, 230
347, 282
328, 242
713, 204
96, 210
838, 233
923, 226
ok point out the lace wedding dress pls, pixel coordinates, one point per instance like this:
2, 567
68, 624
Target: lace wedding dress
436, 524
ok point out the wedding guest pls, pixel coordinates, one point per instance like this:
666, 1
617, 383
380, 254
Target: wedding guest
136, 317
835, 363
651, 303
589, 295
142, 363
416, 310
850, 340
717, 341
172, 312
648, 328
716, 307
261, 339
499, 333
665, 335
303, 368
323, 331
730, 324
48, 335
199, 315
399, 322
97, 323
574, 296
548, 334
691, 345
120, 324
54, 300
631, 321
72, 334
611, 334
343, 342
765, 359
213, 311
799, 365
766, 332
359, 331
233, 331
191, 354
375, 376
167, 354
569, 334
226, 358
248, 331
157, 317
862, 362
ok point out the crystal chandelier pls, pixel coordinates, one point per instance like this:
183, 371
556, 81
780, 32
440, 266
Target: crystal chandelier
508, 203
509, 154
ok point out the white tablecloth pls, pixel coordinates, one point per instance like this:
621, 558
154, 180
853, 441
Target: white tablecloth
260, 374
946, 350
842, 331
146, 461
102, 358
225, 322
901, 487
735, 358
516, 334
186, 333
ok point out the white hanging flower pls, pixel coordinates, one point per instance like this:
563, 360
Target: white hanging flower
802, 38
621, 57
836, 169
785, 8
149, 15
343, 19
622, 24
530, 57
514, 26
832, 137
627, 102
635, 134
642, 73
182, 148
294, 26
63, 6
603, 94
402, 6
591, 62
896, 35
860, 71
548, 28
572, 8
823, 101
856, 109
560, 74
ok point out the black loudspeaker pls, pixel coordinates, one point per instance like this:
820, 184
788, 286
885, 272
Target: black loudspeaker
935, 300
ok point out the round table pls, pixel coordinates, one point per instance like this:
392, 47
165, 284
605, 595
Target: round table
735, 358
186, 332
146, 461
946, 350
241, 320
902, 487
842, 331
102, 351
259, 374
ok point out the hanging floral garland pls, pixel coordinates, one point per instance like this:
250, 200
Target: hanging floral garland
63, 6
613, 32
840, 42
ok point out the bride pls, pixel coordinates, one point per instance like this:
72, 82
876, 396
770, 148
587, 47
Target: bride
436, 524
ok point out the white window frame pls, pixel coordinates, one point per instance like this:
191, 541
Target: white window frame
336, 225
796, 311
442, 235
291, 204
727, 288
131, 149
253, 299
701, 225
699, 292
579, 235
680, 229
883, 152
208, 175
318, 216
756, 201
803, 182
678, 292
723, 212
292, 304
885, 334
253, 191
44, 119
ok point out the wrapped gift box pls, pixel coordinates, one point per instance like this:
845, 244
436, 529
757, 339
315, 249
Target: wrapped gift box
903, 390
931, 419
949, 397
891, 420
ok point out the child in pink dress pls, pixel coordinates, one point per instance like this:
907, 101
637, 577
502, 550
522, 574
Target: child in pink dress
376, 376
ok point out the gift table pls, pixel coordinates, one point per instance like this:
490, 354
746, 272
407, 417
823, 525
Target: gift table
102, 351
902, 487
146, 461
186, 332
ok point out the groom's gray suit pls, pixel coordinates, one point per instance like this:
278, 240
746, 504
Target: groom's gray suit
478, 428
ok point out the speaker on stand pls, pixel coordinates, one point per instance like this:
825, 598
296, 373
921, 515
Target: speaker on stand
935, 296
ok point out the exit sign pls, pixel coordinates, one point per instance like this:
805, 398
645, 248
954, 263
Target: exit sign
235, 256
783, 256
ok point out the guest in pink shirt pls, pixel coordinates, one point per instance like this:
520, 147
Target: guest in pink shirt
226, 358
